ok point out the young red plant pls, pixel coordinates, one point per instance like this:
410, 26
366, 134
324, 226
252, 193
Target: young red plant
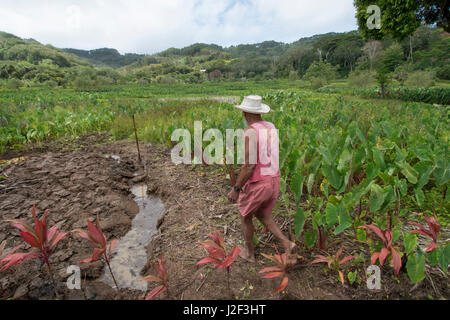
42, 240
432, 232
386, 238
279, 271
161, 278
101, 251
334, 262
218, 254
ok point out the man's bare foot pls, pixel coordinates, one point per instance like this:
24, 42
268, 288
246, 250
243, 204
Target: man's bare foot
291, 254
246, 256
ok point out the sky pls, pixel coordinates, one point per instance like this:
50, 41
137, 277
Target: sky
151, 26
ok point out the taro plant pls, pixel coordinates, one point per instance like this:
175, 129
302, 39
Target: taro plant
218, 254
101, 251
334, 262
387, 249
278, 271
161, 278
41, 239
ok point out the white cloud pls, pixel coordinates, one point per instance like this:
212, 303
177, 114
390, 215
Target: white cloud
148, 26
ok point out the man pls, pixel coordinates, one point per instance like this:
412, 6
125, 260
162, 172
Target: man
258, 184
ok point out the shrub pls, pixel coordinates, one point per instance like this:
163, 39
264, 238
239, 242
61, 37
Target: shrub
360, 79
317, 82
51, 83
421, 79
166, 80
322, 70
293, 75
104, 81
401, 73
14, 84
443, 72
81, 82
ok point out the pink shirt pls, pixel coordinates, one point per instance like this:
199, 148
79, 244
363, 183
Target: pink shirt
267, 148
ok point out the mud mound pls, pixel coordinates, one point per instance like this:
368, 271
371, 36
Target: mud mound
74, 186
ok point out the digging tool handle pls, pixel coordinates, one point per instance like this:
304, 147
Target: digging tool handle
232, 175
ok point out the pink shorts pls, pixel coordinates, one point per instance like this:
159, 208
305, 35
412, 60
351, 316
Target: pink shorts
259, 196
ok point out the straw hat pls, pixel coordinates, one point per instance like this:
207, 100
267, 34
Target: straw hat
253, 104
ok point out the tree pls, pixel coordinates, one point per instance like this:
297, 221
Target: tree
392, 58
296, 58
322, 70
383, 79
398, 18
401, 73
215, 75
435, 12
372, 49
401, 18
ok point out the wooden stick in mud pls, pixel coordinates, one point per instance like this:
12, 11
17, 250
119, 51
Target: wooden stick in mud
137, 141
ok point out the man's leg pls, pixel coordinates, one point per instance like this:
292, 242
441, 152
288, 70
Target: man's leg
248, 230
272, 226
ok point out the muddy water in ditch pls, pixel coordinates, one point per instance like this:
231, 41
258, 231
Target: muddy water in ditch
130, 255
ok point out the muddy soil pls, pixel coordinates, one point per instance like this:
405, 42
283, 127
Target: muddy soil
79, 184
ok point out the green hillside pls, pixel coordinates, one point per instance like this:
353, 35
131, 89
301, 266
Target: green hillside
31, 60
106, 57
319, 59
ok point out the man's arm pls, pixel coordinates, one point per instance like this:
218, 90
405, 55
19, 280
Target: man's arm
245, 173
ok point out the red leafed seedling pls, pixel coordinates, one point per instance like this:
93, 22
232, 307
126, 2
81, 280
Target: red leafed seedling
432, 232
161, 278
218, 254
42, 240
334, 262
101, 251
386, 238
279, 271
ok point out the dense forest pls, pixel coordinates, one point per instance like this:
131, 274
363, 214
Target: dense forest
320, 59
